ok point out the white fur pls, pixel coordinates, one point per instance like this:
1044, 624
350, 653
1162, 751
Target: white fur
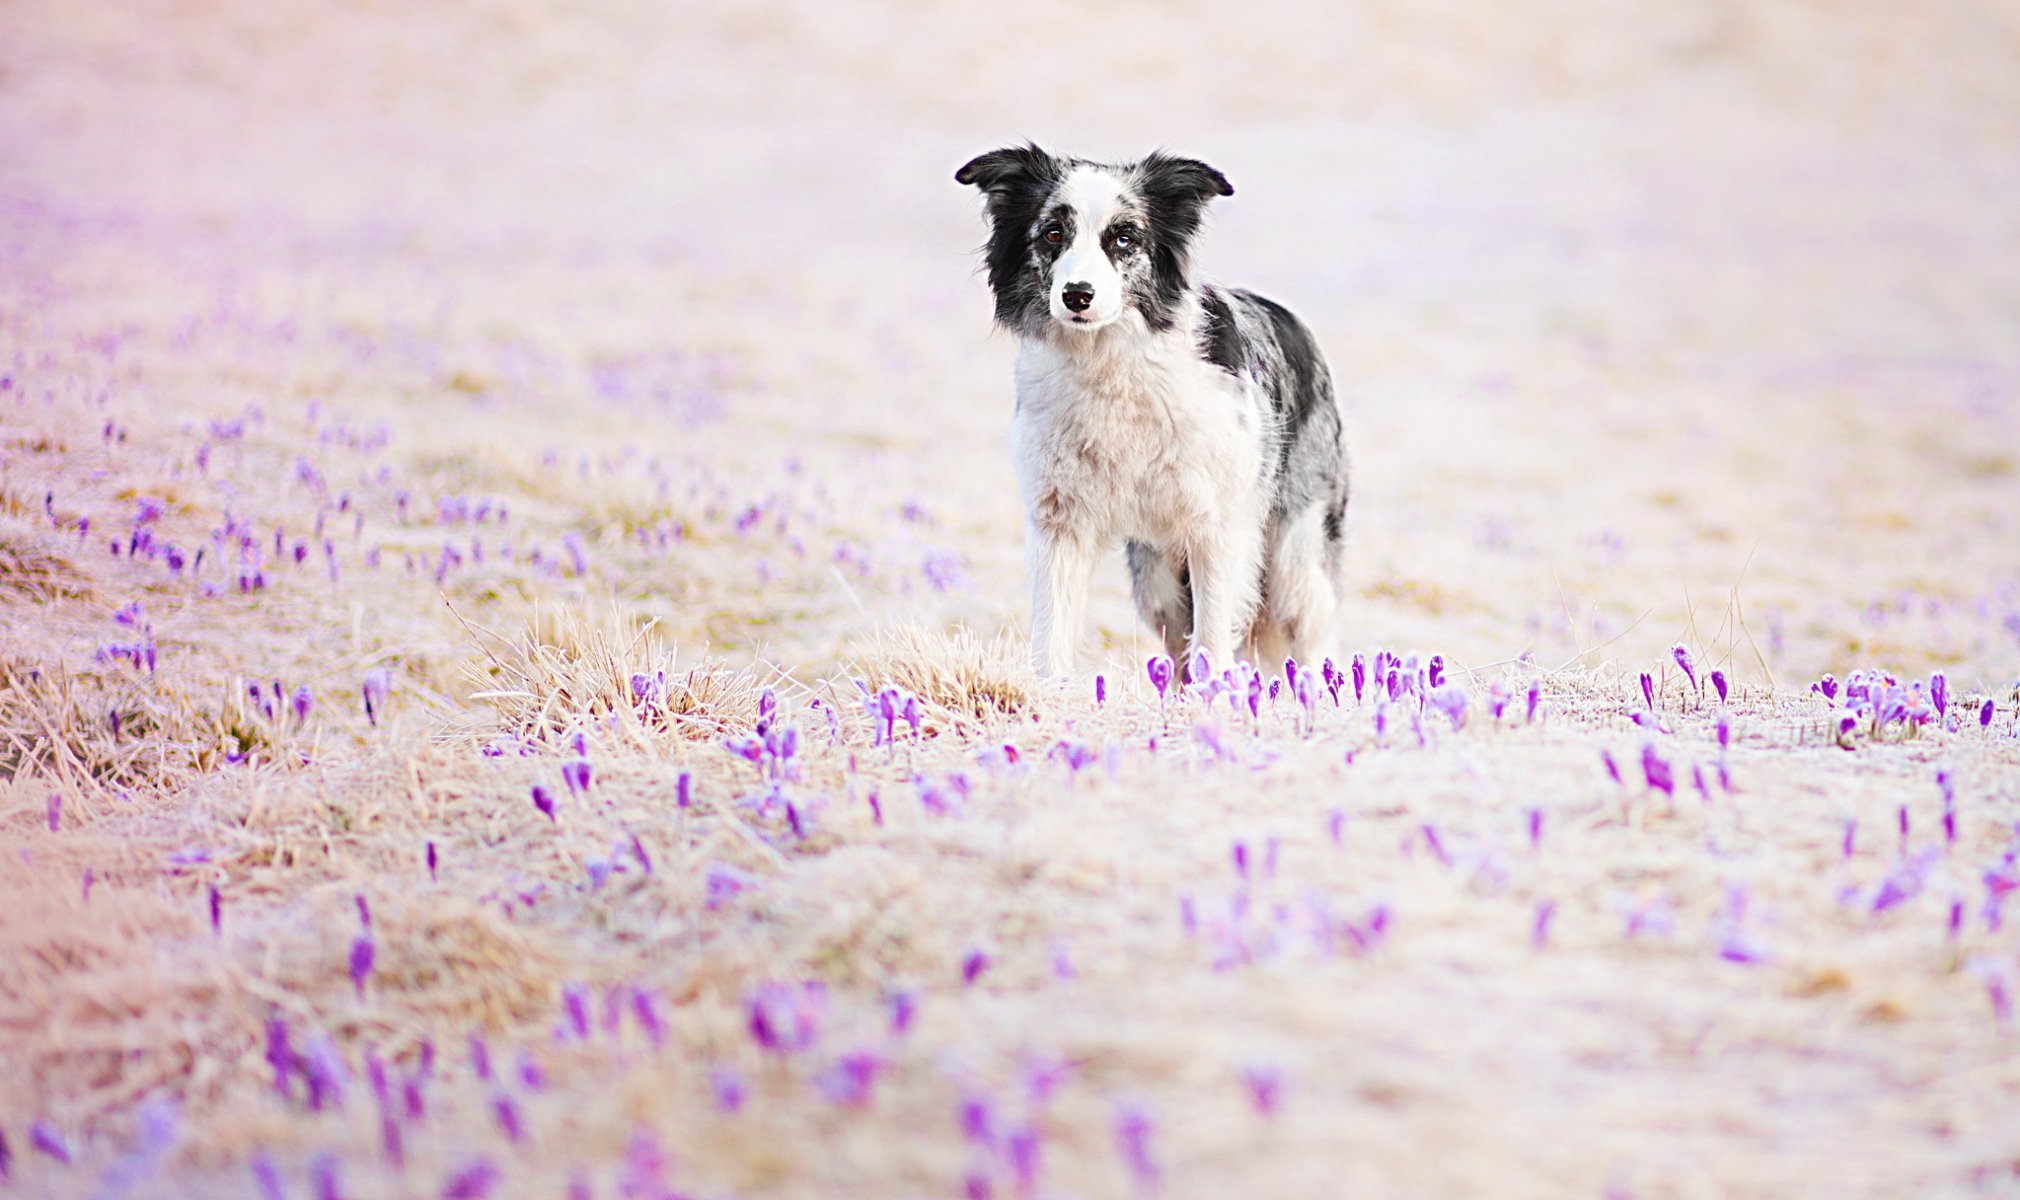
1095, 196
1124, 433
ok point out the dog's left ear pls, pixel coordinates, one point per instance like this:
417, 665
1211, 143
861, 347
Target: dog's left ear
1167, 177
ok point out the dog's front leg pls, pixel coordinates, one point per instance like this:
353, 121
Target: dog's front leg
1223, 569
1062, 568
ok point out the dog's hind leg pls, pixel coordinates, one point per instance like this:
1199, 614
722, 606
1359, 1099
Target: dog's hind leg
1300, 592
1163, 592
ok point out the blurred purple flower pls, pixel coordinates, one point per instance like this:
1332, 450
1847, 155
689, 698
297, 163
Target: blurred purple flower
323, 1182
431, 862
725, 883
377, 688
576, 775
267, 1176
1718, 684
1450, 700
1656, 770
727, 1087
363, 951
1539, 929
972, 966
1265, 1088
507, 1114
851, 1080
303, 702
55, 806
1985, 715
472, 1182
47, 1139
544, 801
1132, 1142
216, 911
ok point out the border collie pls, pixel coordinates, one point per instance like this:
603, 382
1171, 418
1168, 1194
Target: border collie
1193, 424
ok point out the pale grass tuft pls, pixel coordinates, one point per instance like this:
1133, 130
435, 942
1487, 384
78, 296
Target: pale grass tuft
567, 672
970, 682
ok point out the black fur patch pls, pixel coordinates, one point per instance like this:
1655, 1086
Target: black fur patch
1017, 181
1174, 192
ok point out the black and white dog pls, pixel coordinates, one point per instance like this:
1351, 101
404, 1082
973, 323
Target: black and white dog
1194, 424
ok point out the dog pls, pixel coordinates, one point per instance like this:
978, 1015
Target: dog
1194, 425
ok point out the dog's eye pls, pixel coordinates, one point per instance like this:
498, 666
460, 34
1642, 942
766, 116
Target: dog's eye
1124, 241
1054, 234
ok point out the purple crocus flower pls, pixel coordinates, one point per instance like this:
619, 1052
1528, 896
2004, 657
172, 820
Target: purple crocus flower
49, 1140
1100, 690
1360, 673
1535, 694
267, 1177
683, 789
1159, 669
904, 1010
363, 951
575, 1002
1681, 653
472, 1182
1718, 684
323, 1177
1539, 929
1450, 700
377, 688
1435, 673
1939, 692
216, 911
724, 883
727, 1088
850, 1082
1985, 715
1648, 689
303, 702
1656, 770
1535, 829
972, 967
576, 776
431, 862
279, 1055
507, 1113
1132, 1142
1265, 1088
544, 801
324, 1072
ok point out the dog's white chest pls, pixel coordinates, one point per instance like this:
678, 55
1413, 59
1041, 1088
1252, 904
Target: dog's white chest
1146, 441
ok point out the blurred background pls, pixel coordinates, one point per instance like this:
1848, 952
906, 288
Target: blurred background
1631, 306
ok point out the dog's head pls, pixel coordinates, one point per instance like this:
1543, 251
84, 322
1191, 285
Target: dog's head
1076, 245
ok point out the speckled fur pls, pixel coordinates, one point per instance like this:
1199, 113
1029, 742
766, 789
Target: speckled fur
1192, 425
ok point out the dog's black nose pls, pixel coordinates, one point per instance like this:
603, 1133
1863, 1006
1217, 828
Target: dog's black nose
1079, 297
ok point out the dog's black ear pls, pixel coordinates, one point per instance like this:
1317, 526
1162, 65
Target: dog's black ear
1169, 177
1010, 167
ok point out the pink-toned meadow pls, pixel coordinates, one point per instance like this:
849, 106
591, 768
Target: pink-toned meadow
512, 677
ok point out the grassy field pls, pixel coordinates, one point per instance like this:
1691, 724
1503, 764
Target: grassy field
513, 676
